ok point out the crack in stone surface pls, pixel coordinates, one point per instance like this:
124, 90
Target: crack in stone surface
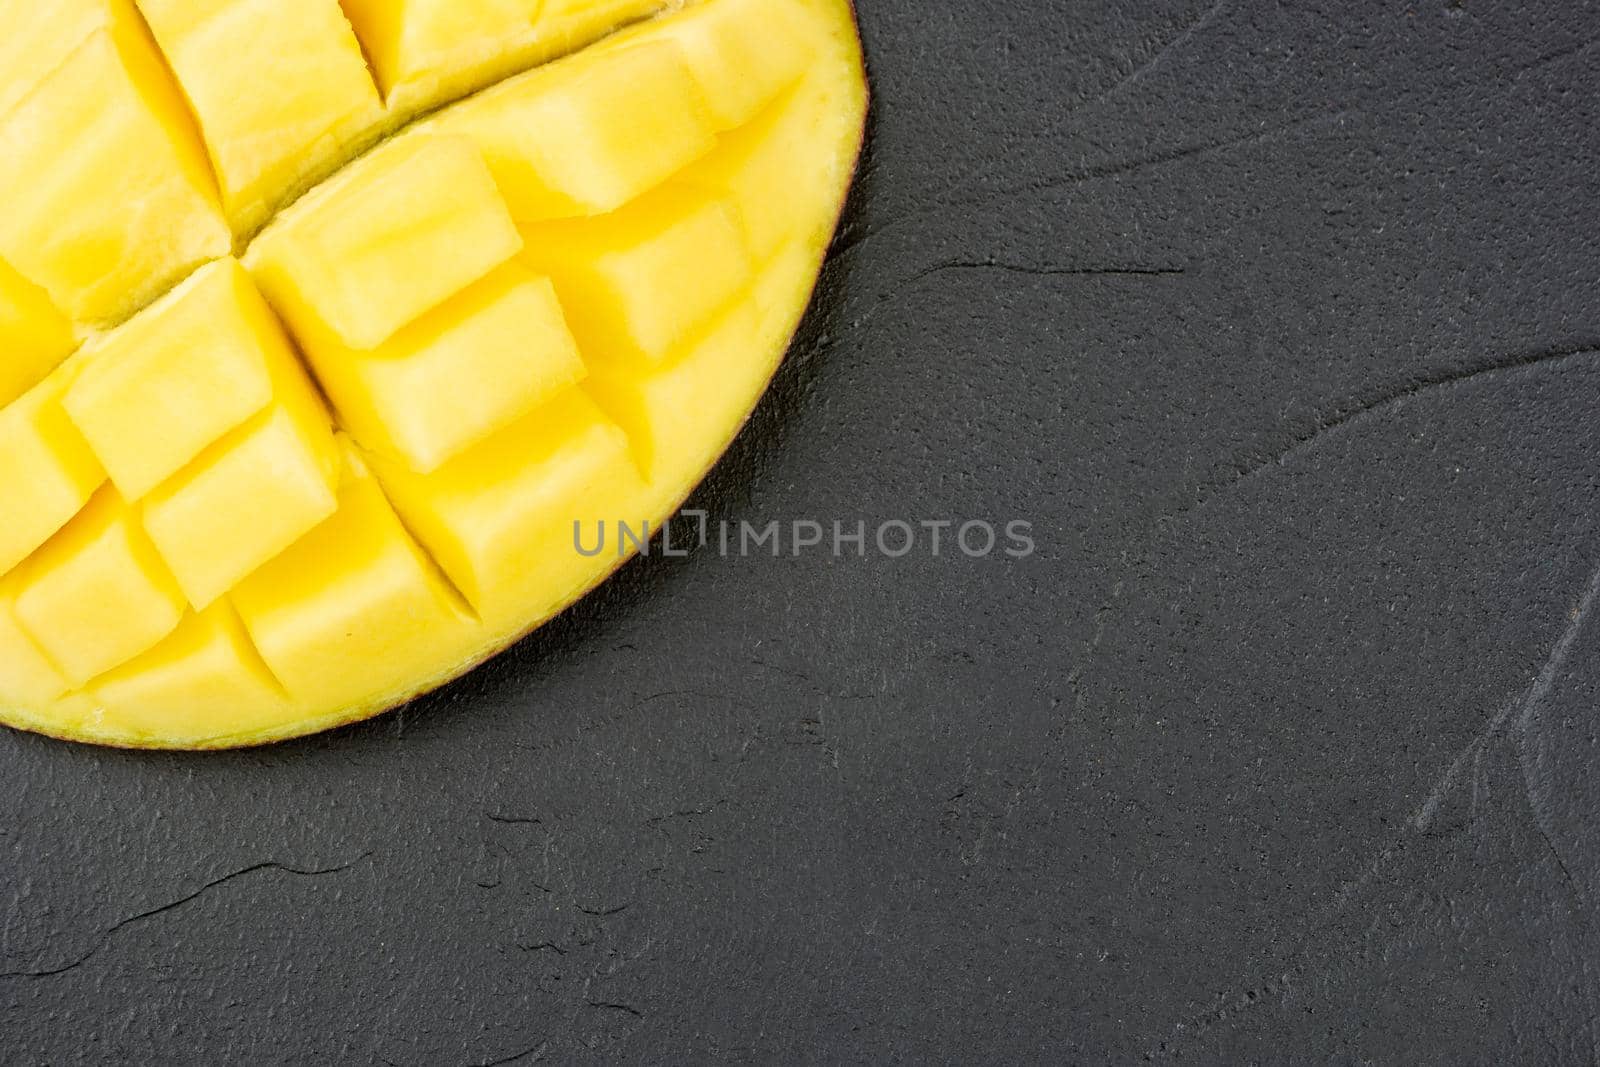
944, 201
605, 911
1138, 73
625, 1009
514, 820
1365, 410
1559, 56
1178, 40
1513, 716
1044, 271
110, 934
532, 1052
899, 288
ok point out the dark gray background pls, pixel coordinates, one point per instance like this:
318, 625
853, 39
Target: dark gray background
1280, 322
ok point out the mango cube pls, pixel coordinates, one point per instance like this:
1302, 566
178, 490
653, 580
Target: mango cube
178, 376
588, 134
763, 169
265, 143
580, 21
309, 400
410, 40
205, 680
97, 595
502, 515
382, 244
621, 276
34, 336
249, 497
355, 590
743, 53
109, 198
47, 471
665, 406
472, 366
38, 38
28, 677
427, 52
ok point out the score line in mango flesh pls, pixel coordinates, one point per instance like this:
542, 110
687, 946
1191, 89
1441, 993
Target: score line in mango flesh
323, 322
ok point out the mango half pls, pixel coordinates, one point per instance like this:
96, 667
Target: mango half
325, 324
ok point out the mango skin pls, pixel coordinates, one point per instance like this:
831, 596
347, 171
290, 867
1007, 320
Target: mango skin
673, 453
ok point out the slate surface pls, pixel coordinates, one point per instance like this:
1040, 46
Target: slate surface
1280, 323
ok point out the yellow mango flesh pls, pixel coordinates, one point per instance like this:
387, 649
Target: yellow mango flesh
47, 470
97, 594
109, 199
308, 405
34, 336
590, 133
423, 51
500, 518
487, 356
417, 223
411, 39
264, 143
177, 377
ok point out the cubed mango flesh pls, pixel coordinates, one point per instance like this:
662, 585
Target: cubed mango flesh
34, 336
39, 37
208, 662
588, 134
334, 332
178, 376
615, 273
388, 240
265, 144
473, 365
358, 589
97, 595
502, 516
29, 677
47, 470
109, 197
249, 498
412, 39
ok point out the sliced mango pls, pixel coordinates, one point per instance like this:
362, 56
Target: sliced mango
502, 519
588, 134
741, 53
245, 504
579, 21
323, 379
178, 376
386, 241
208, 662
249, 496
47, 470
427, 52
34, 336
358, 590
30, 679
763, 170
264, 144
664, 407
744, 53
109, 198
616, 274
475, 364
97, 595
411, 40
39, 37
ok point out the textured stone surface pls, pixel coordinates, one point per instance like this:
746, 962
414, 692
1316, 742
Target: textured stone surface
1280, 322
